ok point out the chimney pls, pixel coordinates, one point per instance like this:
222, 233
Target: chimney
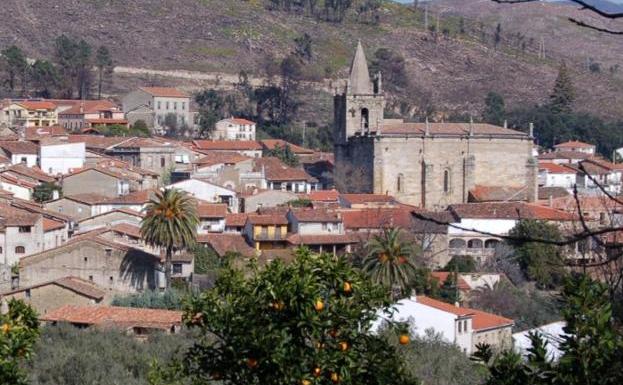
505, 123
471, 126
427, 129
531, 129
550, 200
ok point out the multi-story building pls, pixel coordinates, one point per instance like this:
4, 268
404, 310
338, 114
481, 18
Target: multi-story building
91, 113
234, 129
29, 113
154, 104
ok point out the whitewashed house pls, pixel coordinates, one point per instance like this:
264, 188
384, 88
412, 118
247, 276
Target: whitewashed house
556, 175
60, 158
208, 192
234, 129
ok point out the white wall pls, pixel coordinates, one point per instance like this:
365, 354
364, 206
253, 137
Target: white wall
560, 180
60, 158
18, 191
206, 191
31, 159
494, 226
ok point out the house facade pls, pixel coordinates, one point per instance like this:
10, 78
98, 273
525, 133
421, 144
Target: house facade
153, 104
234, 129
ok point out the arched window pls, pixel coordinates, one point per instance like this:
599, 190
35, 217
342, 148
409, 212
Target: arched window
474, 244
20, 250
365, 119
446, 181
457, 243
400, 183
491, 243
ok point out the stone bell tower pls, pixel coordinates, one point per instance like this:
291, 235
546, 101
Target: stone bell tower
358, 110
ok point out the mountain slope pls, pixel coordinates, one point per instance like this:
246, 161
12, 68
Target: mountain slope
449, 75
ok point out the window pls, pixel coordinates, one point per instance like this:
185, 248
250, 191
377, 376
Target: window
27, 293
177, 268
86, 259
446, 181
460, 330
465, 325
20, 250
159, 106
365, 119
175, 105
474, 244
167, 105
400, 183
60, 209
111, 280
162, 162
24, 159
108, 252
91, 278
457, 243
183, 106
24, 229
491, 243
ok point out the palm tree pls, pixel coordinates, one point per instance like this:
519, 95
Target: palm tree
389, 260
170, 223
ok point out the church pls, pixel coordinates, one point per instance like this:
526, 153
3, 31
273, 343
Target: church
430, 165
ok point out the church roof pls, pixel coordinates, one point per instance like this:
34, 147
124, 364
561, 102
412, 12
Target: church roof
359, 81
461, 129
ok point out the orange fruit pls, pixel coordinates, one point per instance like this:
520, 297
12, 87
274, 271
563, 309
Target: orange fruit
343, 345
317, 372
335, 378
6, 328
251, 363
403, 339
318, 305
305, 382
333, 333
347, 287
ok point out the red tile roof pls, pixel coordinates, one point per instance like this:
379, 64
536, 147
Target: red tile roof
211, 210
463, 129
441, 277
20, 147
323, 195
367, 198
554, 168
133, 231
377, 218
564, 155
509, 210
50, 224
573, 144
221, 158
133, 198
81, 107
96, 142
107, 121
316, 215
37, 105
164, 92
222, 243
227, 145
87, 198
236, 219
498, 193
240, 121
34, 172
18, 181
271, 144
267, 219
277, 171
75, 284
121, 210
13, 216
481, 320
35, 133
123, 317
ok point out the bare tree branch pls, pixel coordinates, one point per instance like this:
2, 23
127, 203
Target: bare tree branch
584, 6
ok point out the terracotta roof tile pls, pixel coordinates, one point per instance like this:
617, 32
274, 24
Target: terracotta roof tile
236, 219
367, 198
37, 105
12, 216
573, 144
220, 158
240, 121
51, 224
227, 145
271, 144
75, 284
165, 92
36, 133
267, 219
127, 229
323, 196
222, 243
498, 193
277, 171
32, 172
135, 198
316, 215
87, 198
122, 317
441, 277
89, 107
211, 210
463, 129
19, 147
569, 155
480, 320
509, 210
96, 142
554, 168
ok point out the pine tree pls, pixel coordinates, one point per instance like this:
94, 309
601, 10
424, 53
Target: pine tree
563, 94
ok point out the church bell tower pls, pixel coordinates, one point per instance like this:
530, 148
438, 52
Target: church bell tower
358, 110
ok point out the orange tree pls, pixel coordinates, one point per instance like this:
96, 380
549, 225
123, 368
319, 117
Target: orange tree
19, 330
302, 323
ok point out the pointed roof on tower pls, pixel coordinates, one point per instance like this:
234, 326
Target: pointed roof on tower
359, 82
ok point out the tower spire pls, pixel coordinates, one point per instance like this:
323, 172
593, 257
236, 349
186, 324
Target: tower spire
359, 82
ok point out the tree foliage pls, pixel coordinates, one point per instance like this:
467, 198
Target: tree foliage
170, 299
301, 323
392, 66
563, 94
285, 154
67, 355
170, 223
591, 348
494, 112
16, 66
105, 66
19, 330
74, 62
389, 260
460, 264
45, 192
540, 262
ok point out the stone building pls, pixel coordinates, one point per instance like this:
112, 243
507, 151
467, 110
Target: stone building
430, 165
154, 104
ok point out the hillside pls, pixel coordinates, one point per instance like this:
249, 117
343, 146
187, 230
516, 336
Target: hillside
449, 74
